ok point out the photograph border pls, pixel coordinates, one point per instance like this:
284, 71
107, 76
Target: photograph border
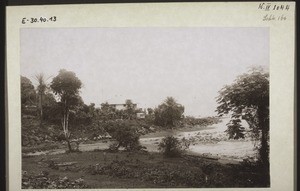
283, 32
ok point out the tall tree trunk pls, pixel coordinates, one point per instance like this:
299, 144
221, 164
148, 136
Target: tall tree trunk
264, 125
66, 132
41, 109
69, 145
66, 126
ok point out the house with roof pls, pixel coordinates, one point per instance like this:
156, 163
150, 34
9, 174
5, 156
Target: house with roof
122, 106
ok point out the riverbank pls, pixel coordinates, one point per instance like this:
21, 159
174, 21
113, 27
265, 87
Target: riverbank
166, 132
210, 141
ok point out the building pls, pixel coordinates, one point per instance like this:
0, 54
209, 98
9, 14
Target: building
141, 115
122, 106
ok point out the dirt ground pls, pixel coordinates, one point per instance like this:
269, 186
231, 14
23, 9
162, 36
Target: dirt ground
49, 166
100, 169
209, 141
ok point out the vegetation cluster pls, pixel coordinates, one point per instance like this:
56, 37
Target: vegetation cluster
147, 170
54, 112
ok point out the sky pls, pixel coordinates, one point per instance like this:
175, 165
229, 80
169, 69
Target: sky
146, 65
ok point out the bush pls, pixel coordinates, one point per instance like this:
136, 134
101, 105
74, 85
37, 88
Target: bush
192, 121
125, 133
43, 181
168, 113
157, 174
113, 146
170, 146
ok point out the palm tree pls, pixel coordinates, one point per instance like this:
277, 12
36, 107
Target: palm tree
41, 89
169, 112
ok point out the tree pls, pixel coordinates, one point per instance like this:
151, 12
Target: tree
129, 109
125, 132
168, 112
41, 89
66, 86
107, 111
235, 129
248, 98
150, 111
83, 114
51, 109
170, 146
28, 95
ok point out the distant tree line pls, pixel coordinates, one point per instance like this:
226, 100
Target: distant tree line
60, 102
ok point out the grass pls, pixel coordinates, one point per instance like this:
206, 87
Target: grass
101, 169
41, 147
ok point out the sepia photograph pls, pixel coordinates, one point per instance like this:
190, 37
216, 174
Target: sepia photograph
145, 107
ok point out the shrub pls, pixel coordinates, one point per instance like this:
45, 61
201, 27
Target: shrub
125, 133
170, 146
192, 121
43, 181
113, 146
168, 113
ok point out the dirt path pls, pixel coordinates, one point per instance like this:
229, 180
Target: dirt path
209, 142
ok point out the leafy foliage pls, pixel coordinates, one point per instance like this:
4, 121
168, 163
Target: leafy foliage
157, 174
66, 86
107, 112
43, 180
170, 146
192, 121
130, 110
150, 111
41, 90
125, 133
42, 86
188, 171
235, 129
168, 112
248, 98
83, 114
28, 94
